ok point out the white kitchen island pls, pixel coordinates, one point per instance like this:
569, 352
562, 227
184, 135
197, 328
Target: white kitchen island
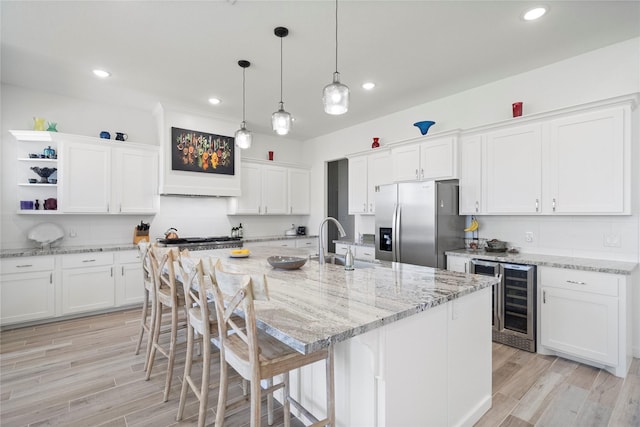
412, 344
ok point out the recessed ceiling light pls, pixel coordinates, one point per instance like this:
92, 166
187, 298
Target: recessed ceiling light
368, 85
214, 101
535, 13
101, 73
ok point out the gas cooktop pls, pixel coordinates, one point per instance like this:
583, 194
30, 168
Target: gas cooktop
216, 241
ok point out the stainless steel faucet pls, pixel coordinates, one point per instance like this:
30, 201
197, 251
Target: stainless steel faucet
320, 247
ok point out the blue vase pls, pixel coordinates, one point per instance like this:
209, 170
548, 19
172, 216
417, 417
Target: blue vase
105, 135
424, 126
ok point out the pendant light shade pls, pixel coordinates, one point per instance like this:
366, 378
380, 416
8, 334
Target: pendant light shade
335, 96
281, 120
243, 136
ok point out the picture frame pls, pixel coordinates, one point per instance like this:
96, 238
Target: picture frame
202, 152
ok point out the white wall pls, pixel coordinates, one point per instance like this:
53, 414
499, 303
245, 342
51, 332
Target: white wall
600, 74
191, 216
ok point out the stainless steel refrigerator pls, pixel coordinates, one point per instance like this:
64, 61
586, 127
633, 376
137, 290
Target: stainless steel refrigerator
416, 222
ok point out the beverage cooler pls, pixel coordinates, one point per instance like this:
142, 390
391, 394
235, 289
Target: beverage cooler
513, 302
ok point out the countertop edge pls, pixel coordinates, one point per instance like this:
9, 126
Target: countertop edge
557, 261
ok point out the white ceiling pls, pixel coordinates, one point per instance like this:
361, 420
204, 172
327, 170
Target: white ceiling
183, 52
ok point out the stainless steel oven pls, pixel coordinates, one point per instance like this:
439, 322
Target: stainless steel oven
513, 303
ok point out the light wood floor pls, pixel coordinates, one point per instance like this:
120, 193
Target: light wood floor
83, 373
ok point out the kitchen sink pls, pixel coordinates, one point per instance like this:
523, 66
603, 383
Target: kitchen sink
339, 260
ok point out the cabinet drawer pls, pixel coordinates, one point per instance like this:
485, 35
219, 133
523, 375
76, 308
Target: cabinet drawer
306, 243
584, 281
27, 264
365, 253
283, 243
90, 259
129, 257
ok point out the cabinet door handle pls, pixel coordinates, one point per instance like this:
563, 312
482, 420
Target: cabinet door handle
50, 278
259, 209
417, 176
544, 297
370, 207
24, 265
364, 207
575, 282
553, 204
265, 209
120, 208
88, 260
122, 274
477, 206
537, 205
111, 271
422, 173
107, 207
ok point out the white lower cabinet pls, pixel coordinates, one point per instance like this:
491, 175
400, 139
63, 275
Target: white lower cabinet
88, 282
583, 315
27, 289
129, 283
458, 263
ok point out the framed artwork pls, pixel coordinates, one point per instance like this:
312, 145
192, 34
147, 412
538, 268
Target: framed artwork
195, 151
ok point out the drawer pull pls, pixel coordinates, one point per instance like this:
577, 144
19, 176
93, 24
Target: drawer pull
24, 265
544, 297
50, 278
575, 282
88, 260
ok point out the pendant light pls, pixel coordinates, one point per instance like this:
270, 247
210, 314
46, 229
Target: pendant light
243, 136
335, 96
281, 120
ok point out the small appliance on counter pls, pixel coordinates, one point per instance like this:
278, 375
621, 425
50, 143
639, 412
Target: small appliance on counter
291, 232
302, 230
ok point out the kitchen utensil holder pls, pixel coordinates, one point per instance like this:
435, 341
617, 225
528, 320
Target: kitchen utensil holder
140, 235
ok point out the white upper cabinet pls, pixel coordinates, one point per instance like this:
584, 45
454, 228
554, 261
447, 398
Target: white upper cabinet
574, 162
431, 159
358, 192
274, 190
135, 180
366, 173
471, 175
86, 178
269, 189
513, 170
299, 185
588, 167
94, 176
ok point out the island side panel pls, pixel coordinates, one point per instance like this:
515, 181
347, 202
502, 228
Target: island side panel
469, 358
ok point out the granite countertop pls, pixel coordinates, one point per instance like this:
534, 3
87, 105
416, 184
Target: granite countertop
317, 305
587, 264
63, 250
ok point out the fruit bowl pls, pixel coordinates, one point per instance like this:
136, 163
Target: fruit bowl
286, 262
44, 173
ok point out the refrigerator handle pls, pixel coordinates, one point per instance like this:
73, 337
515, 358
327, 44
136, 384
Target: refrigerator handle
397, 213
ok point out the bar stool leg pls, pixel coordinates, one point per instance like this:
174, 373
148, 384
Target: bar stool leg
143, 320
172, 351
286, 405
187, 374
331, 410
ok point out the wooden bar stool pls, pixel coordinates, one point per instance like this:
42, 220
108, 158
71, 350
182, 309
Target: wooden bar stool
148, 307
201, 320
168, 296
255, 355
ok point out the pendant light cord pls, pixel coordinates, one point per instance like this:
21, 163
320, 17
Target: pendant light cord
243, 92
280, 70
336, 36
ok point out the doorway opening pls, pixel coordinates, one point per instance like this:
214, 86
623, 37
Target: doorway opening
338, 201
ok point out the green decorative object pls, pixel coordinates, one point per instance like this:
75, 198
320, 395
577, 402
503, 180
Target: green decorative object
52, 127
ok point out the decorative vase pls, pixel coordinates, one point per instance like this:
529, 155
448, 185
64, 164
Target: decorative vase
375, 143
38, 123
52, 127
424, 126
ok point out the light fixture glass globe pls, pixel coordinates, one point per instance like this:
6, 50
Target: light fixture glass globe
243, 137
335, 96
281, 121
